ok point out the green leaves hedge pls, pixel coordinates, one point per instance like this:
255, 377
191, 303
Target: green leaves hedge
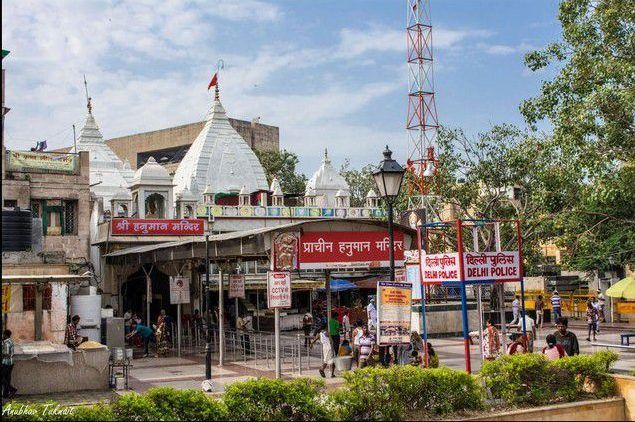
531, 379
373, 393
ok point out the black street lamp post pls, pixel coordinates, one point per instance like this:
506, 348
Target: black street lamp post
208, 316
388, 178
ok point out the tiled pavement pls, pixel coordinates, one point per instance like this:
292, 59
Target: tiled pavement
188, 372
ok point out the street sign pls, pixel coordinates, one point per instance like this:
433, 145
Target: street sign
179, 290
394, 302
278, 289
236, 286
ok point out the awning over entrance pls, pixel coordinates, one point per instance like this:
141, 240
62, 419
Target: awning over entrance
300, 284
53, 278
248, 244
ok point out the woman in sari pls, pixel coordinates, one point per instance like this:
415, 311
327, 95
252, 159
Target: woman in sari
163, 345
491, 342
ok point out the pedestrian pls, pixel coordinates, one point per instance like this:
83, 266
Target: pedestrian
146, 334
162, 334
307, 324
357, 334
346, 326
71, 337
567, 339
530, 328
591, 319
556, 305
371, 315
540, 310
345, 349
327, 352
553, 350
366, 344
334, 330
518, 345
491, 342
244, 327
515, 310
127, 320
8, 391
600, 311
602, 306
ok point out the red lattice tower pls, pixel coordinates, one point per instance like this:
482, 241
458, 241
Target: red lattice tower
422, 123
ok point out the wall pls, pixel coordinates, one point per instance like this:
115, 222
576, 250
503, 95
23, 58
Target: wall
445, 319
591, 410
23, 187
626, 388
258, 136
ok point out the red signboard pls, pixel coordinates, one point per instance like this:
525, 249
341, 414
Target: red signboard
320, 250
151, 227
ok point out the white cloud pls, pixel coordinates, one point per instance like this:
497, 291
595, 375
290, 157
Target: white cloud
244, 9
503, 50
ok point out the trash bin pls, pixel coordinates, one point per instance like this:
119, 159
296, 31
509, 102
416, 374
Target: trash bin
343, 363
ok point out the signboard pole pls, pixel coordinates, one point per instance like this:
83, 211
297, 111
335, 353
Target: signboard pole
466, 328
424, 328
479, 298
501, 292
178, 330
277, 341
148, 298
522, 278
327, 276
221, 324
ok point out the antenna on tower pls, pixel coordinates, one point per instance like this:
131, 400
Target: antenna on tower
422, 122
88, 99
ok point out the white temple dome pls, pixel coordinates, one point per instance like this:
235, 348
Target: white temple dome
220, 159
371, 194
152, 173
107, 172
123, 194
275, 187
326, 182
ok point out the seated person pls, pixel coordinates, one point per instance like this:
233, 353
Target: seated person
345, 349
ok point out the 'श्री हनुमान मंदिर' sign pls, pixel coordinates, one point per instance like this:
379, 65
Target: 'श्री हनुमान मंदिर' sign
157, 227
477, 266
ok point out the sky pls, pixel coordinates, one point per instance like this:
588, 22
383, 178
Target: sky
329, 73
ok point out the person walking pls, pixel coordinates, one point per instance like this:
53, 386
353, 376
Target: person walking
334, 330
591, 320
346, 326
515, 310
530, 328
566, 338
8, 391
307, 325
556, 306
366, 344
371, 315
553, 350
327, 352
540, 310
491, 342
357, 334
600, 311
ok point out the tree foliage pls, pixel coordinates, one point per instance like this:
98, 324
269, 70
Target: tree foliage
359, 182
282, 164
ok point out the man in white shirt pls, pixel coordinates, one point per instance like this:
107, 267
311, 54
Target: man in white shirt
244, 326
515, 310
371, 314
346, 325
530, 327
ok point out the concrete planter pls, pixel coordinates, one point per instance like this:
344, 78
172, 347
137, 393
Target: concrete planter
612, 409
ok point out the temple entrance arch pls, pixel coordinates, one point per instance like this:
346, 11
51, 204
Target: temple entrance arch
133, 293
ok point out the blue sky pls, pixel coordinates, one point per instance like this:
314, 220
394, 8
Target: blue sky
330, 74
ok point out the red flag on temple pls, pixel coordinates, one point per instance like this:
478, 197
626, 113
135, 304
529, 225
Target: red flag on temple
214, 81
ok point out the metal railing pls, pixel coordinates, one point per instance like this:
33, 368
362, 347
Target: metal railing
252, 348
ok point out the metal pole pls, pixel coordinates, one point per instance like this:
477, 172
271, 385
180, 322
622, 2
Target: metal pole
479, 297
327, 274
75, 142
466, 329
501, 299
221, 323
208, 315
424, 328
148, 298
391, 236
277, 342
257, 310
178, 330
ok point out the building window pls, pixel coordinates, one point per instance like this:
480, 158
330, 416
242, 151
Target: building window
10, 203
189, 212
155, 206
28, 298
35, 208
122, 210
70, 217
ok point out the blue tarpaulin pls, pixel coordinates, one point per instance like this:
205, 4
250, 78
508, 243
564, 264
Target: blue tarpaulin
339, 285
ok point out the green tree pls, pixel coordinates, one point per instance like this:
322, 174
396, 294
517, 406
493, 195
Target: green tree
591, 105
591, 100
359, 182
282, 164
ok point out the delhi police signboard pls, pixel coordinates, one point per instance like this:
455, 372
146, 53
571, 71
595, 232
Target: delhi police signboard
491, 266
278, 289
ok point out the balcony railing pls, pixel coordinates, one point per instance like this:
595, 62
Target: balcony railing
246, 211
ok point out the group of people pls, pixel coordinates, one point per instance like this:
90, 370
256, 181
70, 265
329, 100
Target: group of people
359, 342
559, 344
160, 333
